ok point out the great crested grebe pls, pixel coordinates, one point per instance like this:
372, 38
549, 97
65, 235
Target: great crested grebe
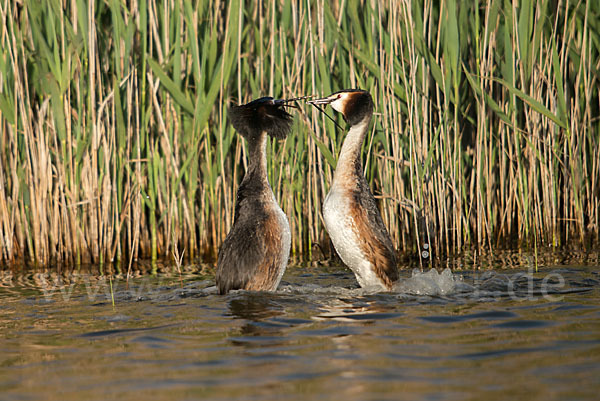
255, 252
351, 216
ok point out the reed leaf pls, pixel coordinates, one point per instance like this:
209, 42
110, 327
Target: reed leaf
533, 103
115, 143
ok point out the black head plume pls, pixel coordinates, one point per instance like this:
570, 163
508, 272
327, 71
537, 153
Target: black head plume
264, 114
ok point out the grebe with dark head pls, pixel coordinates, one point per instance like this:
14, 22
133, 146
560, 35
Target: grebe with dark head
350, 212
255, 252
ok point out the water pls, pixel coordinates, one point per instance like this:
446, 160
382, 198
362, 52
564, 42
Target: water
494, 335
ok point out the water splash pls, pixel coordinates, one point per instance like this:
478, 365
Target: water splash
429, 283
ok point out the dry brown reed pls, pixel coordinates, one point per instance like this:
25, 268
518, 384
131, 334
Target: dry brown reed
115, 143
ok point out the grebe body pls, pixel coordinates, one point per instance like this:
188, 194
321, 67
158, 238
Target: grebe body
255, 252
350, 212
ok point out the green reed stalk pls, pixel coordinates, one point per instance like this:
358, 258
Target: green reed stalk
115, 142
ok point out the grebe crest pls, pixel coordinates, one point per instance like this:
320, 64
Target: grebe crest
262, 115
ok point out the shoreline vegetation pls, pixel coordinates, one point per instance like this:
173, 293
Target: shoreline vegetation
115, 144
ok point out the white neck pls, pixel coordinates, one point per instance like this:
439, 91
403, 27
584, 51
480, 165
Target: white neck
350, 152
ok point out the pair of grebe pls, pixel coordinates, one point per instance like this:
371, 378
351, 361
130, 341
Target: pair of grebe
254, 254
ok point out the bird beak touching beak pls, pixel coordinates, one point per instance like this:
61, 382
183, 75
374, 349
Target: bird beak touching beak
323, 100
290, 102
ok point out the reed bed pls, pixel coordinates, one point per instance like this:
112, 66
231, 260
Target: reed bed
115, 144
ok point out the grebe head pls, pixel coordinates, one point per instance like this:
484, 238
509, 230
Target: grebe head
354, 104
262, 115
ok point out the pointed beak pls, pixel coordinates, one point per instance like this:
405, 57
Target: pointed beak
283, 103
323, 100
291, 102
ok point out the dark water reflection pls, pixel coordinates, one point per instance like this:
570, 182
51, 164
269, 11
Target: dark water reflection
515, 334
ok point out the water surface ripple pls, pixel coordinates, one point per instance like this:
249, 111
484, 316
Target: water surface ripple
493, 335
